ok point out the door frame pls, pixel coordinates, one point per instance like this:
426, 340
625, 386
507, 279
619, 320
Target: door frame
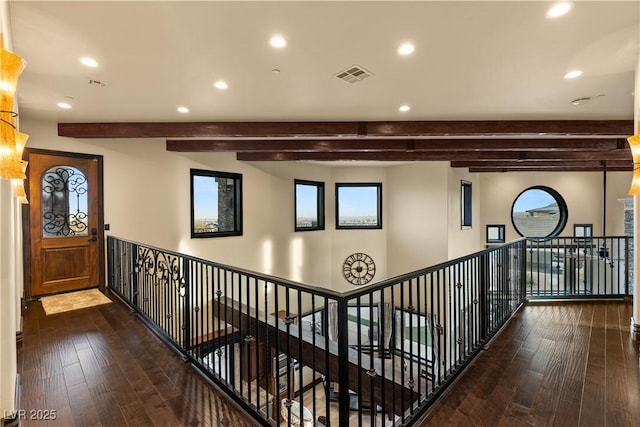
26, 218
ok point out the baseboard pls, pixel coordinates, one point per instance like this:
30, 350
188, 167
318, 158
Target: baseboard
12, 419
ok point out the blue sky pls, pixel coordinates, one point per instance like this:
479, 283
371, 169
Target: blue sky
307, 201
358, 201
532, 199
205, 193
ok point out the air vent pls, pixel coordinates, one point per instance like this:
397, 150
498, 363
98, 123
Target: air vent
97, 83
353, 74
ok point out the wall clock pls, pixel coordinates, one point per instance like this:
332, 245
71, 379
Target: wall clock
359, 268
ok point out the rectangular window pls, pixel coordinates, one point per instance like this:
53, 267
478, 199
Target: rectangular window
465, 195
309, 205
216, 204
358, 205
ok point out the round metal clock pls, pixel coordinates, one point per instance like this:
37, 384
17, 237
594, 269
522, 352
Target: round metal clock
359, 268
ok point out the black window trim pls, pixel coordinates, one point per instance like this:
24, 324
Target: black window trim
562, 206
466, 205
378, 186
237, 177
320, 204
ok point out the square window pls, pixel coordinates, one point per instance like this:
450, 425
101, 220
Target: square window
582, 232
358, 205
465, 196
216, 204
495, 233
309, 205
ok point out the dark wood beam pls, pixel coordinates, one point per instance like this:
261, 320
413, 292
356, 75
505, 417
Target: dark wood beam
556, 168
542, 164
386, 129
613, 155
398, 144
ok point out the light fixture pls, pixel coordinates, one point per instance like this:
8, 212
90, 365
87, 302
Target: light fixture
278, 42
183, 110
11, 141
222, 85
18, 186
573, 74
406, 49
559, 9
634, 145
64, 105
404, 108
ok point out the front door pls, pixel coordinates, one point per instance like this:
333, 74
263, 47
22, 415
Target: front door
65, 222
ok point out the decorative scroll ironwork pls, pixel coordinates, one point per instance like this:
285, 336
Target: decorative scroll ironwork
64, 202
161, 266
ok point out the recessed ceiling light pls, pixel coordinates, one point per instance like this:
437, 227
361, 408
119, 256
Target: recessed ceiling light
581, 101
404, 108
275, 71
559, 9
64, 105
406, 49
278, 41
183, 110
89, 62
221, 84
573, 74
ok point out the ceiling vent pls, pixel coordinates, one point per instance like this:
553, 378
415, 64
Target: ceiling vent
353, 74
97, 83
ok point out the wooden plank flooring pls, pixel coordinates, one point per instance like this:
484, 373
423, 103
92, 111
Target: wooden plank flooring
101, 366
562, 364
570, 364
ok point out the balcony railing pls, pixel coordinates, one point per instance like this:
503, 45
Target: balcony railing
289, 352
585, 267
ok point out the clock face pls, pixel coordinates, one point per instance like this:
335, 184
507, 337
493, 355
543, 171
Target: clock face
359, 268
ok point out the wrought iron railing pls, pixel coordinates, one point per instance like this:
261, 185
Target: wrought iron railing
380, 354
584, 267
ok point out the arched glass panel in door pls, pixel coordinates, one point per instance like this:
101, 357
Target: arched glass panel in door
64, 202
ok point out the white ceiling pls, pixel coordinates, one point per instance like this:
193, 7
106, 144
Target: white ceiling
474, 60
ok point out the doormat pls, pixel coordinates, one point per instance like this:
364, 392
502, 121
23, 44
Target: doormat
73, 301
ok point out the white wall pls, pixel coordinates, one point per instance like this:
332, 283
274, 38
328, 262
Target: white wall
582, 192
10, 264
416, 200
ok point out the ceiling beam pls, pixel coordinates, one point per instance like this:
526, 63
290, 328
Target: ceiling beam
402, 144
442, 155
564, 168
542, 164
383, 129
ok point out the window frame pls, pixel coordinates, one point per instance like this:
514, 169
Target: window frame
237, 203
582, 232
320, 204
492, 229
378, 187
562, 210
466, 205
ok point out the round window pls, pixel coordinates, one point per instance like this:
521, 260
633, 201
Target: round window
539, 212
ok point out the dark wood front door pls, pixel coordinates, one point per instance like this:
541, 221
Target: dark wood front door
65, 234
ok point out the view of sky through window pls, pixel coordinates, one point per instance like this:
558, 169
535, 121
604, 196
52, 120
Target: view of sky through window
307, 201
205, 192
532, 199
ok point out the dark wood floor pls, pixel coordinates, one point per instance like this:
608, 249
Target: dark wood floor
101, 366
570, 364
